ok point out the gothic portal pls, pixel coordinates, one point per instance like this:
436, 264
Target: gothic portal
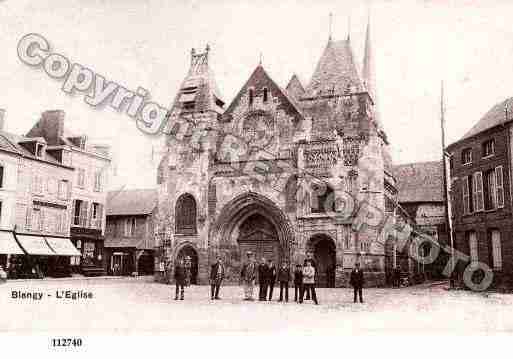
262, 173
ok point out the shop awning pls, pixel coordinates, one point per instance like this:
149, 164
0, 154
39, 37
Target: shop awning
35, 245
62, 246
8, 244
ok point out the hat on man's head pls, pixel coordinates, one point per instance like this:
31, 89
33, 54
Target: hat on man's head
249, 253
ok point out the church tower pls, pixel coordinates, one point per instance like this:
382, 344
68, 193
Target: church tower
183, 173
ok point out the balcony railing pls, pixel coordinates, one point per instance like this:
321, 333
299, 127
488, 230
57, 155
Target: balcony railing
81, 221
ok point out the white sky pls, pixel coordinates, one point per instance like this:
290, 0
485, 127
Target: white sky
147, 43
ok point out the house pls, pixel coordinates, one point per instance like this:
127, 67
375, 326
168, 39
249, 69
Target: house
481, 163
129, 237
420, 194
35, 207
88, 191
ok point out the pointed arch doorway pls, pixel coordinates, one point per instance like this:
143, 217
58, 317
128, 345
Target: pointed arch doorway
258, 235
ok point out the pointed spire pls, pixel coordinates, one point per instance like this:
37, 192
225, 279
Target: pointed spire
260, 59
349, 28
331, 25
368, 64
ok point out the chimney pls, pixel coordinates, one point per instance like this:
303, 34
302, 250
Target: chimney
52, 126
2, 119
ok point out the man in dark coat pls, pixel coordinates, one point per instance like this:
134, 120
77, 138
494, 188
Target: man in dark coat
357, 281
216, 278
298, 282
271, 278
310, 258
262, 280
284, 278
179, 278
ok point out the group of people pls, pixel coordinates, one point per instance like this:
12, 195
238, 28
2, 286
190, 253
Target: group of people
266, 275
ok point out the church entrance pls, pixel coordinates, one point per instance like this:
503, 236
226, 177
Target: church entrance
258, 234
324, 251
190, 258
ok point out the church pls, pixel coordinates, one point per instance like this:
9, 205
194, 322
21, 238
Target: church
265, 172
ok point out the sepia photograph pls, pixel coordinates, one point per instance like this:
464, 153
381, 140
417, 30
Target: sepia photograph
203, 168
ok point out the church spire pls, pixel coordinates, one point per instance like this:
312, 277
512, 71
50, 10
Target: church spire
368, 64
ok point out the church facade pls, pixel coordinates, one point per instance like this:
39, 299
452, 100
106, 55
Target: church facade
269, 172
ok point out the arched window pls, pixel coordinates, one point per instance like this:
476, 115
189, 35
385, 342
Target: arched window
266, 94
185, 214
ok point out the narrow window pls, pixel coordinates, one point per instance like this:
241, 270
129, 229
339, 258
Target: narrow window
266, 94
251, 96
466, 156
489, 148
39, 150
1, 176
490, 194
185, 214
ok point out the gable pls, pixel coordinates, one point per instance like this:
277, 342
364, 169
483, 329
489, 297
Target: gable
258, 81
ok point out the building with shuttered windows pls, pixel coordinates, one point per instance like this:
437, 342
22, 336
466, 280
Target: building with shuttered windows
481, 163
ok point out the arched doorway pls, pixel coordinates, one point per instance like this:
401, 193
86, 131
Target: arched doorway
324, 251
253, 222
189, 251
258, 234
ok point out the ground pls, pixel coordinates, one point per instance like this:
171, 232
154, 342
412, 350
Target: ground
139, 304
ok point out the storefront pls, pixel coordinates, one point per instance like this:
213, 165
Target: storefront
127, 256
9, 249
89, 242
41, 256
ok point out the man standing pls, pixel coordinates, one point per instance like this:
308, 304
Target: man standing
248, 276
188, 268
271, 278
216, 277
179, 278
284, 278
309, 282
309, 258
262, 280
357, 281
298, 282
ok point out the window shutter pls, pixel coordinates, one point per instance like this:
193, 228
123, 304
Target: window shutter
1, 176
478, 191
499, 181
466, 196
496, 249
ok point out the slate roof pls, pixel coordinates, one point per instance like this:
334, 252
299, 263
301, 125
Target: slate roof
336, 67
11, 142
201, 77
419, 182
495, 116
131, 202
294, 88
